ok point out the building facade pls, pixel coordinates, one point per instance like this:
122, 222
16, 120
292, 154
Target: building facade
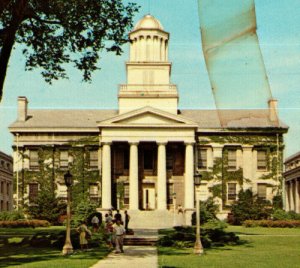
143, 156
292, 183
6, 182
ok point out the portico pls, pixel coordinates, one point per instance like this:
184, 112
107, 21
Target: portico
148, 136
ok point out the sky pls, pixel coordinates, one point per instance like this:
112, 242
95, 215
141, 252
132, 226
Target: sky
278, 24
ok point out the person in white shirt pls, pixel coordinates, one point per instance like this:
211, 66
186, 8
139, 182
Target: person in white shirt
95, 223
119, 231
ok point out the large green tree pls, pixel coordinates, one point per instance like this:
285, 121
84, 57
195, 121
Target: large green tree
56, 32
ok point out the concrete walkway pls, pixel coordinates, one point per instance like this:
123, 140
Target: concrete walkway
133, 257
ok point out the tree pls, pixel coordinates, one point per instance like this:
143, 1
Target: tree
56, 32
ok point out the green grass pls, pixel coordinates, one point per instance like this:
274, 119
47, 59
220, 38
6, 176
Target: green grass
15, 254
260, 247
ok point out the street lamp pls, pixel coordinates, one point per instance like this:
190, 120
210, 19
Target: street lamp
68, 248
198, 249
118, 200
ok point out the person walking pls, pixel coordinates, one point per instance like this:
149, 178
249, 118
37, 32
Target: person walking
83, 232
119, 233
127, 219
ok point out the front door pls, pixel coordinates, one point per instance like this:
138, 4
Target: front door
148, 197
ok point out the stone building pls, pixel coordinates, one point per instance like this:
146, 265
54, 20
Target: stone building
143, 156
6, 182
292, 183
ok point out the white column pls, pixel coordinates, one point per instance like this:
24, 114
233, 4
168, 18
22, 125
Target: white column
106, 176
291, 195
161, 177
287, 200
210, 158
297, 209
189, 176
133, 177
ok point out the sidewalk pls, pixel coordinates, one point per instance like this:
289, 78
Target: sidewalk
134, 257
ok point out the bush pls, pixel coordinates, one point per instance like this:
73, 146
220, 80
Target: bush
208, 211
24, 224
248, 207
271, 223
280, 214
212, 234
46, 207
11, 215
83, 210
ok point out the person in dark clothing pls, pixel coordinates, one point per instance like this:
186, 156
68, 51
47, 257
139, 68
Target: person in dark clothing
118, 216
127, 219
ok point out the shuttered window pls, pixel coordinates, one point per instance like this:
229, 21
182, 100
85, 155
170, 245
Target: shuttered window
261, 160
202, 158
33, 159
232, 159
33, 191
262, 190
93, 159
231, 191
63, 159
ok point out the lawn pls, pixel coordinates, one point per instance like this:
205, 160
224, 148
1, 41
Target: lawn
260, 247
16, 254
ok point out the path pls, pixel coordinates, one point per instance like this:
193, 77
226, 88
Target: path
134, 257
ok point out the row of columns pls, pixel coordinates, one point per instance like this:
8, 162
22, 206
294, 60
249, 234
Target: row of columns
161, 177
292, 195
150, 48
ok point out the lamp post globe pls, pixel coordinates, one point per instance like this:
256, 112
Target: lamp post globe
68, 248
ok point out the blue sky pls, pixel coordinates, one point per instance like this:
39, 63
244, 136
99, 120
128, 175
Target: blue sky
278, 31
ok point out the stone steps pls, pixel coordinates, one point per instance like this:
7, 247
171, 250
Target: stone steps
140, 241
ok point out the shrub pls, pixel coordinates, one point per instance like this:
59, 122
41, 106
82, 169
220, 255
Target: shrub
46, 207
212, 234
208, 211
11, 215
280, 214
271, 223
24, 224
277, 202
249, 207
83, 210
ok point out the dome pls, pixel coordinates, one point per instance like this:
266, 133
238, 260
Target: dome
148, 22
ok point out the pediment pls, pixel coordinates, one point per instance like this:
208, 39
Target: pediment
147, 117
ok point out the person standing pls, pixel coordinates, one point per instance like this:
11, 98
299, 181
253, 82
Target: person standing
127, 219
83, 231
119, 233
95, 223
118, 216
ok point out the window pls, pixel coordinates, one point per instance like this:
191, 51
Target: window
231, 159
148, 159
126, 194
33, 191
63, 159
33, 159
231, 191
7, 188
202, 158
94, 191
261, 160
262, 190
2, 205
94, 159
2, 187
170, 192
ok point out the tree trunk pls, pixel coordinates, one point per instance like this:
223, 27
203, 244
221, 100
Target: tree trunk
9, 39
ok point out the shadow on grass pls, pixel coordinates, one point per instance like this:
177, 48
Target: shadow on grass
19, 255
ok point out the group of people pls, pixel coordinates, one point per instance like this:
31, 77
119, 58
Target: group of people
114, 229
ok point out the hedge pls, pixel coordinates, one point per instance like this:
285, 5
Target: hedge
24, 224
271, 223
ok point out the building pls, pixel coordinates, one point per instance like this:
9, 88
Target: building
6, 182
143, 156
292, 183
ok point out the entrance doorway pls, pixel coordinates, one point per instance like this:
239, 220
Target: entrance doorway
148, 197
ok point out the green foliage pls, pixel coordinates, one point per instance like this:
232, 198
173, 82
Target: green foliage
212, 234
273, 224
24, 224
280, 214
82, 210
208, 211
248, 207
46, 207
57, 32
277, 202
11, 215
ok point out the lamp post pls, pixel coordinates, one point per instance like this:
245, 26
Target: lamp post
174, 209
198, 248
118, 200
68, 248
